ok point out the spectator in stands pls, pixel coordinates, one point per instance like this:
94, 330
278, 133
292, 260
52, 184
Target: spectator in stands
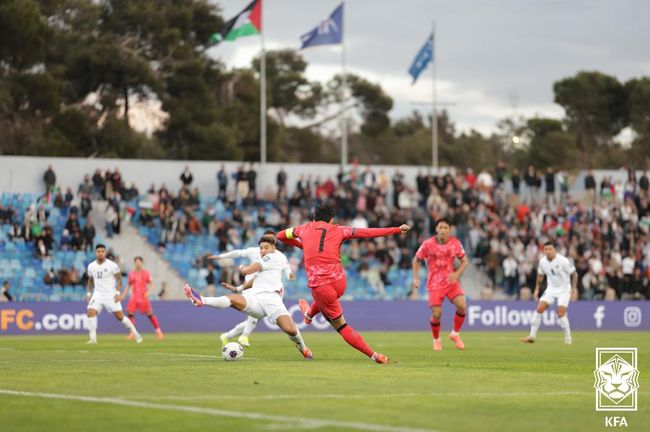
251, 175
85, 188
210, 280
563, 181
549, 181
6, 295
50, 277
16, 232
98, 184
241, 185
281, 181
49, 178
6, 214
68, 197
510, 275
398, 186
186, 176
66, 239
72, 223
41, 251
74, 276
530, 179
64, 276
77, 241
88, 235
111, 220
59, 200
222, 182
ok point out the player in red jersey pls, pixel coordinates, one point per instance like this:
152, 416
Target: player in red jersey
140, 283
440, 251
321, 243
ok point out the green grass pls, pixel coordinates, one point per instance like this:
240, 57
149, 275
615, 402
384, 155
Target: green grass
496, 384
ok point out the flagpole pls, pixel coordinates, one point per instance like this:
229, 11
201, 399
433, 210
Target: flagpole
262, 91
344, 84
434, 115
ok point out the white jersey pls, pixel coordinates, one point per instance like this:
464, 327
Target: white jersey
558, 273
251, 253
269, 279
103, 276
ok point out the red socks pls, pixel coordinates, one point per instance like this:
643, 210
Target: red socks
154, 321
313, 310
435, 328
354, 339
458, 321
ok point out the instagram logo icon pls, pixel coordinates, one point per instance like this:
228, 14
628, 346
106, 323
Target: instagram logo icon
632, 316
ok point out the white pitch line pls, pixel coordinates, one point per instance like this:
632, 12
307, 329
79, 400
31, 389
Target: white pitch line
364, 396
298, 421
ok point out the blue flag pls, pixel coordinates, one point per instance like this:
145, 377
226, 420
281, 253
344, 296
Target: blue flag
328, 32
422, 59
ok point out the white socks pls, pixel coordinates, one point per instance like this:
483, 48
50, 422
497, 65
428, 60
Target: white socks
222, 302
92, 329
535, 325
237, 330
566, 328
251, 323
129, 326
298, 340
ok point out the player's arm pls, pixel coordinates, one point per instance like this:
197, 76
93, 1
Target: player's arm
291, 237
415, 266
118, 278
352, 233
453, 277
240, 288
574, 284
538, 284
250, 268
288, 273
235, 253
89, 286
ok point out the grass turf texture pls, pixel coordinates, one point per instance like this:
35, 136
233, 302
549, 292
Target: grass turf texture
497, 383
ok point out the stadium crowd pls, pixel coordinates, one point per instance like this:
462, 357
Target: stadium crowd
501, 219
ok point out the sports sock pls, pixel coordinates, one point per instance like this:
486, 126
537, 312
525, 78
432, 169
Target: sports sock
297, 339
566, 327
222, 302
129, 325
435, 328
250, 326
154, 322
236, 330
354, 339
92, 328
458, 322
313, 311
535, 325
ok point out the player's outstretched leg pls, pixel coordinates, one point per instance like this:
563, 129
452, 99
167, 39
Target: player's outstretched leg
459, 319
232, 333
129, 326
222, 302
249, 326
564, 324
436, 313
356, 341
131, 317
537, 321
289, 327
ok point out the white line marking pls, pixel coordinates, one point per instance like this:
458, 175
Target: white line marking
195, 355
363, 396
301, 422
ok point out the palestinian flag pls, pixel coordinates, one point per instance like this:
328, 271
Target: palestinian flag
246, 23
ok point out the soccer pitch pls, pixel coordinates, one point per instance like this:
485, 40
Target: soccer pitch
56, 383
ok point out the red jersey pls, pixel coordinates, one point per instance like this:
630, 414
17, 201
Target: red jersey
138, 281
321, 243
440, 260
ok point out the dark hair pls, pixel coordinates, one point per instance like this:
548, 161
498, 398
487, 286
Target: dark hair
443, 220
269, 240
100, 246
549, 243
138, 258
323, 213
269, 232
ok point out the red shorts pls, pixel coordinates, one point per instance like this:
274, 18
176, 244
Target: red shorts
437, 295
142, 305
327, 298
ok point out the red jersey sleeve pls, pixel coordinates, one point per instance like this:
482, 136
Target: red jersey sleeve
148, 277
291, 236
422, 251
460, 251
352, 233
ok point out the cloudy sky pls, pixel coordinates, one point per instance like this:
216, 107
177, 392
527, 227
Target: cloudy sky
494, 57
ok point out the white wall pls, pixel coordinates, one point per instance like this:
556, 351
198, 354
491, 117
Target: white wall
25, 174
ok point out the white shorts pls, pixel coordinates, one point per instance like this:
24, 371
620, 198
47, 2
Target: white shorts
265, 304
99, 303
562, 298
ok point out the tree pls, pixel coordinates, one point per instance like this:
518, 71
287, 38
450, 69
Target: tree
550, 145
596, 110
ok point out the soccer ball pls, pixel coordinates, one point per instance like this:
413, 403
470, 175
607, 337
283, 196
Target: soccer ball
232, 352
